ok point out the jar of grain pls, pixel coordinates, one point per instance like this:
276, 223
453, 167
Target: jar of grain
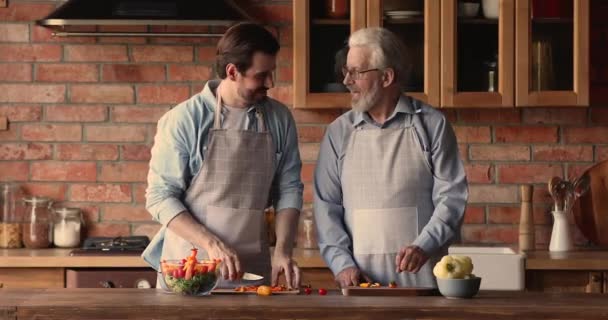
67, 227
11, 214
38, 227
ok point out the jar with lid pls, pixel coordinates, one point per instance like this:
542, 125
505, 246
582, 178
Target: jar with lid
11, 215
68, 223
38, 225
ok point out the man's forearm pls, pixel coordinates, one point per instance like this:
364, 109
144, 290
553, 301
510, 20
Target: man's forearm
286, 225
191, 230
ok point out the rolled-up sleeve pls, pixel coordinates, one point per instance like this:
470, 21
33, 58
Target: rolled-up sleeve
450, 190
287, 185
169, 167
334, 241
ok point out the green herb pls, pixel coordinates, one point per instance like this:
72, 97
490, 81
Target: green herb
198, 283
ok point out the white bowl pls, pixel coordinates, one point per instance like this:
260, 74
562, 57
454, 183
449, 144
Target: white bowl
491, 8
468, 9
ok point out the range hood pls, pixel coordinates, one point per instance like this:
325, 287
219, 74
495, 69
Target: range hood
143, 12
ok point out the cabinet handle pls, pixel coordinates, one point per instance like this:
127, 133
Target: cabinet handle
595, 278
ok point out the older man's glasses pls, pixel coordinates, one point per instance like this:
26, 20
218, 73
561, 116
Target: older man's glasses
356, 74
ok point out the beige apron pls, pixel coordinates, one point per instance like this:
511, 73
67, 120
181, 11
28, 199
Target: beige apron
229, 195
387, 191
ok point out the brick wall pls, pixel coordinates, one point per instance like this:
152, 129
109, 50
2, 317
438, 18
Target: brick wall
82, 117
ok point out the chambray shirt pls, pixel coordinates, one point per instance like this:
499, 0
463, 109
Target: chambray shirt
182, 135
450, 191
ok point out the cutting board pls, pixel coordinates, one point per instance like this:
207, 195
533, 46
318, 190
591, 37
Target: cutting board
386, 291
591, 216
231, 291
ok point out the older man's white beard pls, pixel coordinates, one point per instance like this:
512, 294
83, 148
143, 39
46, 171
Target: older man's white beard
368, 100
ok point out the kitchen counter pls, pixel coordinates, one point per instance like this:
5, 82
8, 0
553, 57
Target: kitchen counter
60, 258
575, 260
152, 304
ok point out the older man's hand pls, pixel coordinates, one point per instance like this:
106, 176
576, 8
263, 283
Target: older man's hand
411, 259
350, 277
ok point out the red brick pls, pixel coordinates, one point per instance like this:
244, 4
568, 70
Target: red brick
450, 115
116, 133
16, 113
25, 151
284, 57
55, 191
25, 11
16, 72
308, 172
500, 152
541, 194
315, 116
466, 134
123, 28
54, 132
475, 215
137, 114
125, 212
98, 152
14, 32
190, 73
162, 94
309, 151
11, 134
493, 193
310, 133
555, 115
139, 192
575, 171
479, 173
504, 215
185, 29
284, 74
124, 172
14, 171
74, 113
463, 151
102, 94
563, 153
90, 213
30, 52
490, 234
32, 93
146, 229
308, 193
67, 72
599, 116
284, 94
542, 215
108, 230
528, 173
286, 36
150, 53
42, 34
63, 171
133, 73
602, 153
526, 134
542, 236
100, 192
206, 54
586, 135
96, 53
123, 40
489, 116
135, 152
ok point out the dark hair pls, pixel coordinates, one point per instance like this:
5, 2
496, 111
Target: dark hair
239, 43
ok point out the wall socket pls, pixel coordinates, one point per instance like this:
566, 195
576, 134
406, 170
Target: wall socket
3, 3
3, 123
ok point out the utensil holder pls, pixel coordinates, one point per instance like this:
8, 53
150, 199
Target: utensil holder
561, 239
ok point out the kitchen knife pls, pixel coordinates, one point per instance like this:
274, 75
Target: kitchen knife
251, 276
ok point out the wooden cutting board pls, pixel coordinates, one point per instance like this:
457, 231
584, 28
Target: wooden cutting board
231, 291
591, 215
386, 291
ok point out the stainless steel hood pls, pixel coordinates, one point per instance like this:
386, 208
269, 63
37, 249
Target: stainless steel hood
143, 12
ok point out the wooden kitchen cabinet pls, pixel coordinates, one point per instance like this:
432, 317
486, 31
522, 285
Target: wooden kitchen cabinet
566, 281
32, 277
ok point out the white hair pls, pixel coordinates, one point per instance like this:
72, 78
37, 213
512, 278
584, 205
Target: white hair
387, 50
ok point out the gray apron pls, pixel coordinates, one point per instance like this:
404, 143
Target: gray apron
387, 188
229, 194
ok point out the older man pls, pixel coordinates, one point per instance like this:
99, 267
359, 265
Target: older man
390, 188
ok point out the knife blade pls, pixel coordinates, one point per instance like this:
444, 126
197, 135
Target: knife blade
251, 276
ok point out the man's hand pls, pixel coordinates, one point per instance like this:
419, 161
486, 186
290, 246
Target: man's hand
350, 277
282, 264
230, 266
411, 259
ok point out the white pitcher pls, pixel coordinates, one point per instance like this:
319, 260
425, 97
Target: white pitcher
561, 239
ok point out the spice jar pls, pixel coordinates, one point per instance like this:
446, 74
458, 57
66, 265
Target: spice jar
37, 229
67, 226
11, 212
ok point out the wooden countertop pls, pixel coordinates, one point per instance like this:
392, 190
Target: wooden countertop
575, 260
60, 258
68, 304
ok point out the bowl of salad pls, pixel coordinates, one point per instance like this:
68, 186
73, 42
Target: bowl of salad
190, 276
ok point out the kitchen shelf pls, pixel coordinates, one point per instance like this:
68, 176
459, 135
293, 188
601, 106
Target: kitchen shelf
330, 22
417, 20
553, 21
477, 21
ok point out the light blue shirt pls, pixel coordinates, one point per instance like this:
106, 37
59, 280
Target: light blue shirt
450, 191
177, 157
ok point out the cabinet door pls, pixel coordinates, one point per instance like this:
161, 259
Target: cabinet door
552, 53
318, 38
416, 23
32, 277
477, 54
564, 281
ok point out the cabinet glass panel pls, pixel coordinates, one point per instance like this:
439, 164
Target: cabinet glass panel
551, 48
329, 31
477, 46
406, 19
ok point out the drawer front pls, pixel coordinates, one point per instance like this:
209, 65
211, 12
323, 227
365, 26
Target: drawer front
32, 277
111, 278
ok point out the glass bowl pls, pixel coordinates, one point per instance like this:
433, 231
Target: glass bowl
199, 281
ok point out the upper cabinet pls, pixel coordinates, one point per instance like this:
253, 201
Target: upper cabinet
462, 53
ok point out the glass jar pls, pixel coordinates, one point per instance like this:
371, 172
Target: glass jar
67, 227
38, 225
11, 214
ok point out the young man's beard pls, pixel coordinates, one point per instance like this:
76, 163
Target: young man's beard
368, 100
253, 96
